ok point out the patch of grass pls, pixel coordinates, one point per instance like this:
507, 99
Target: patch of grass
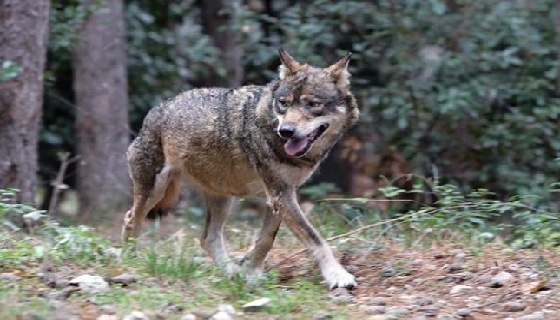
16, 301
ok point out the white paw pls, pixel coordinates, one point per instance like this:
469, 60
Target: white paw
339, 278
251, 273
230, 268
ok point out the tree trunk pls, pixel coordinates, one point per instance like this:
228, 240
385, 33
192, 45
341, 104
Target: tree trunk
100, 84
217, 23
558, 42
23, 41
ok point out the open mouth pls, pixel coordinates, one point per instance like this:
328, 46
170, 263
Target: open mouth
297, 147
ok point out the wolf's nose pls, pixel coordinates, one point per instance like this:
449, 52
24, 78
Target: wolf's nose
287, 131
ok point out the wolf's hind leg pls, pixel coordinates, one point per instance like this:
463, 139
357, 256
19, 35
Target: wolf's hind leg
145, 198
217, 210
253, 262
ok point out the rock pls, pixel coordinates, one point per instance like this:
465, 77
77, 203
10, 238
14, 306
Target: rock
500, 279
227, 308
204, 313
460, 256
124, 279
377, 301
455, 267
91, 284
256, 306
424, 301
189, 316
533, 287
407, 298
396, 311
513, 306
221, 315
9, 276
107, 317
322, 315
380, 317
107, 309
465, 312
341, 295
459, 288
439, 255
373, 310
539, 315
135, 315
429, 311
59, 294
171, 307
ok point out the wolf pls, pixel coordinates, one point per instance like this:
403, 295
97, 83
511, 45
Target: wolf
262, 141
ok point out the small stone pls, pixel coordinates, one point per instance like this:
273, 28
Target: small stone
500, 279
135, 315
539, 315
379, 317
459, 288
373, 310
107, 317
203, 313
429, 311
341, 295
155, 315
227, 308
396, 311
464, 276
256, 306
221, 315
513, 306
322, 315
460, 256
424, 301
533, 287
91, 284
124, 279
189, 316
9, 276
377, 301
407, 298
455, 267
439, 255
465, 312
107, 309
59, 294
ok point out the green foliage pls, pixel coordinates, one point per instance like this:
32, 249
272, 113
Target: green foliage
464, 90
182, 265
8, 205
9, 70
58, 243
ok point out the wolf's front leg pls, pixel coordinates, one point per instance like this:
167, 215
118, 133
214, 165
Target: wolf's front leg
285, 204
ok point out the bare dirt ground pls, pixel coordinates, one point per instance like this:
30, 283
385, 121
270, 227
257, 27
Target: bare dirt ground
447, 282
443, 281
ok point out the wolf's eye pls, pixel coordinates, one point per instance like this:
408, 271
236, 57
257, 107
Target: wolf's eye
312, 104
280, 105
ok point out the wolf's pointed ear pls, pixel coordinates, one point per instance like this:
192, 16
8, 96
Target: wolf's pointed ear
339, 71
289, 64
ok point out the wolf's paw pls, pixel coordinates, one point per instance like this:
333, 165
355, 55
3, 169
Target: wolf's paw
231, 269
251, 272
339, 278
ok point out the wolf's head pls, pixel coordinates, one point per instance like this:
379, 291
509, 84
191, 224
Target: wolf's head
314, 106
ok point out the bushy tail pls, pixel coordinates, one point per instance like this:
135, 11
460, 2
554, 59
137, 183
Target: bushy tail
168, 201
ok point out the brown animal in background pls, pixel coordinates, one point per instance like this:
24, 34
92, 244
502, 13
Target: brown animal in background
250, 141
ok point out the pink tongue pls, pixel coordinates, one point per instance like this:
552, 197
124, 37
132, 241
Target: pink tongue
294, 146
